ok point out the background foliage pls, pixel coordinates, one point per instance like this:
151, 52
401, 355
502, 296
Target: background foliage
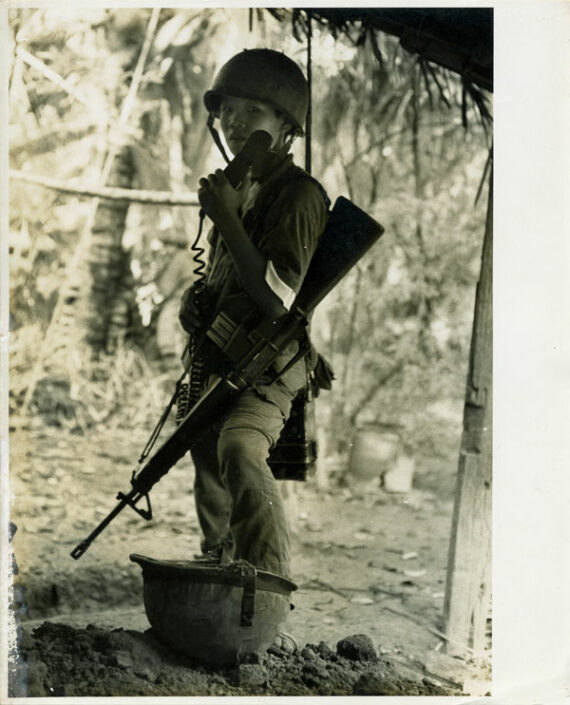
396, 330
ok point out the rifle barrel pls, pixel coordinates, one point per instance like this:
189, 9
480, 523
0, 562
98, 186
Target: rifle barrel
80, 549
174, 447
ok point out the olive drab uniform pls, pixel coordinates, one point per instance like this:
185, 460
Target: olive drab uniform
238, 502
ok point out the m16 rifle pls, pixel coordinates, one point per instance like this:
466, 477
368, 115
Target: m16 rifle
349, 233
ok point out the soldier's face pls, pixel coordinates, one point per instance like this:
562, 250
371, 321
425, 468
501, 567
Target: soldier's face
239, 117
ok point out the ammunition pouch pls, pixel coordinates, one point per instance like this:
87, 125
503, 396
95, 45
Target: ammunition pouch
294, 456
233, 339
197, 307
321, 373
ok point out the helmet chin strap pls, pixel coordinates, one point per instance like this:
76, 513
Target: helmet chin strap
216, 137
289, 143
283, 150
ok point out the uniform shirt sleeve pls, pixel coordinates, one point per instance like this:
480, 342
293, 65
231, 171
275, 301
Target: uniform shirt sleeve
295, 223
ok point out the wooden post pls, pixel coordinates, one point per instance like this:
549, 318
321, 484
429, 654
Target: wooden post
467, 596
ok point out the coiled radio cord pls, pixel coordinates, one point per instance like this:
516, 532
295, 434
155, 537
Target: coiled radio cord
190, 391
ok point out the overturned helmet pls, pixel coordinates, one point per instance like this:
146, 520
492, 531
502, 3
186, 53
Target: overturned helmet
220, 614
266, 75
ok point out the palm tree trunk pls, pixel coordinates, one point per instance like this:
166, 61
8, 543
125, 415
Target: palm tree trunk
108, 262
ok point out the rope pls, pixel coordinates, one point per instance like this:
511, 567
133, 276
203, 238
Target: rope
308, 121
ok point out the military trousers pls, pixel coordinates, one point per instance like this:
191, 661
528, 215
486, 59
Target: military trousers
238, 501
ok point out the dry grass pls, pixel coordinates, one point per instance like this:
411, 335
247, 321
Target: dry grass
78, 391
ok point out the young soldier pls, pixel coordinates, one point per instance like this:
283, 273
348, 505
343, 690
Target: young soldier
263, 239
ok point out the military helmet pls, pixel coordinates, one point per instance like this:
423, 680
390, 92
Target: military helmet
221, 614
266, 75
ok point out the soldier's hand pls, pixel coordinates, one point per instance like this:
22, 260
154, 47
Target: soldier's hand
218, 198
189, 314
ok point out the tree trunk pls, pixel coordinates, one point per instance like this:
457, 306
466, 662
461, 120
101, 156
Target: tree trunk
107, 314
467, 597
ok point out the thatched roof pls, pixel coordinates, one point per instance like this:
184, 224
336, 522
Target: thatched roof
459, 39
456, 39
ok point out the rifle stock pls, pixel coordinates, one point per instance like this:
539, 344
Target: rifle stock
348, 235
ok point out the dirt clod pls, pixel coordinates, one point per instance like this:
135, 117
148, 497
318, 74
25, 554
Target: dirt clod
315, 671
375, 684
250, 674
123, 660
358, 648
308, 654
60, 659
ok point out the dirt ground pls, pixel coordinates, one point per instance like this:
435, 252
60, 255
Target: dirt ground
370, 568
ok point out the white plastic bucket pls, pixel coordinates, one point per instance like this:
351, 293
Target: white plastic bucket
374, 449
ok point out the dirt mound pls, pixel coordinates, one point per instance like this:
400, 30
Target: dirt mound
366, 562
60, 660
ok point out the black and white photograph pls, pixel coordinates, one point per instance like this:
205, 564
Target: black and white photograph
249, 312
